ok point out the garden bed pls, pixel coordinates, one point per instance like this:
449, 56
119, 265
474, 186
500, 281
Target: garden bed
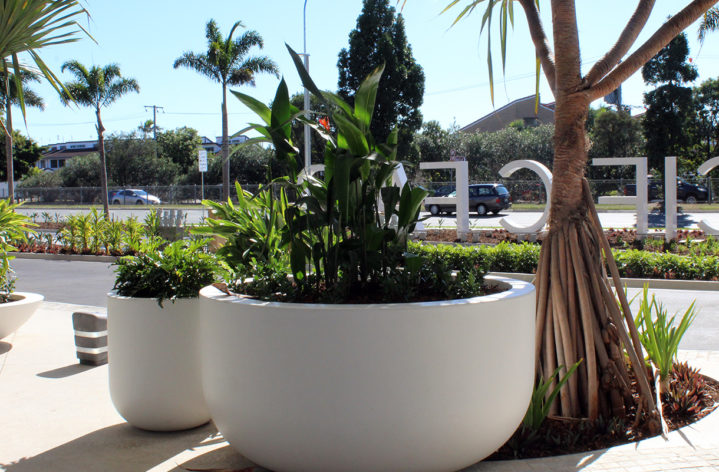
558, 436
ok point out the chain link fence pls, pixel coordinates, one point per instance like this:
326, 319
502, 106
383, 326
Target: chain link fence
522, 191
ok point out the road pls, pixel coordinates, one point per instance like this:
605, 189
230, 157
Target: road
87, 283
609, 219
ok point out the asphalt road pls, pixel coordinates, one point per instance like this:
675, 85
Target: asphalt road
87, 283
81, 283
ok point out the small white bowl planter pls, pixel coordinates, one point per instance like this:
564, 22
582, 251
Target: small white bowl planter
16, 312
154, 362
432, 386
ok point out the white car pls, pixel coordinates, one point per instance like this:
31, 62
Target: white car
133, 196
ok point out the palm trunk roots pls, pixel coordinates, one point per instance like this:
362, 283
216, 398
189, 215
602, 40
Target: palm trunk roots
579, 318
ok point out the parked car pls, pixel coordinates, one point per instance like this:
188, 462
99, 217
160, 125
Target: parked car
132, 196
686, 192
483, 198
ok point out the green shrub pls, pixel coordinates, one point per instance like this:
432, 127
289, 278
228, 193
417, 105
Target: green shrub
179, 270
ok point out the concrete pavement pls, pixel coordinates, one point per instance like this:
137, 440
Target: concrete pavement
57, 416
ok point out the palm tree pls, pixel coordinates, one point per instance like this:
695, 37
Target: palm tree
710, 22
225, 62
98, 88
577, 313
26, 26
9, 96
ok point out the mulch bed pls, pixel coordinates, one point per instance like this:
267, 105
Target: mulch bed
558, 436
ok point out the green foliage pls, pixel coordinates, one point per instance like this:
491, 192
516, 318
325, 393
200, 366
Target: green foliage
319, 110
252, 229
705, 130
179, 270
26, 153
658, 333
14, 227
80, 171
27, 26
642, 264
614, 134
669, 106
339, 242
134, 161
486, 153
180, 146
379, 39
543, 397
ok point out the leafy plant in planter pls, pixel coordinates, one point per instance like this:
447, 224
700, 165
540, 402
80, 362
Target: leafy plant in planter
14, 227
346, 233
179, 270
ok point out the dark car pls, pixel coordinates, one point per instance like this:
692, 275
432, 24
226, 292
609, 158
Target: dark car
483, 198
686, 192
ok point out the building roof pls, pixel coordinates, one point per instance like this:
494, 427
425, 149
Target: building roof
520, 109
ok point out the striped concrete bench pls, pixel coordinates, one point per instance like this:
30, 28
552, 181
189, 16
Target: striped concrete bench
90, 337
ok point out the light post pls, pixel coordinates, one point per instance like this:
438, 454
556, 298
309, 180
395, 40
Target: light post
308, 144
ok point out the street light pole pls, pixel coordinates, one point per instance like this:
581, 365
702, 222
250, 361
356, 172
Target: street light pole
308, 137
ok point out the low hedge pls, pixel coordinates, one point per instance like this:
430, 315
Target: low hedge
523, 258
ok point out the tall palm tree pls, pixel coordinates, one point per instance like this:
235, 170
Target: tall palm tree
26, 26
97, 88
9, 96
710, 22
576, 307
225, 62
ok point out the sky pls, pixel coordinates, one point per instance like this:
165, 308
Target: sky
145, 37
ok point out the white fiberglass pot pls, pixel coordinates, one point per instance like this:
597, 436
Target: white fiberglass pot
154, 362
17, 311
432, 386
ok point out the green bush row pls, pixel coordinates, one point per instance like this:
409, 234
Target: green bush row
523, 258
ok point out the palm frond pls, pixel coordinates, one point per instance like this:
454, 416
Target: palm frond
710, 22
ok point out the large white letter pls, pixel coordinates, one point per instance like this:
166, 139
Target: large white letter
704, 170
461, 180
546, 176
641, 180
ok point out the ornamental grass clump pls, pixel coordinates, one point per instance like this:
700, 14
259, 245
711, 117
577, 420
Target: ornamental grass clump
341, 237
660, 336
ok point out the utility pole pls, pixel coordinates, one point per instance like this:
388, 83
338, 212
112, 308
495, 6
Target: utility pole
308, 136
154, 119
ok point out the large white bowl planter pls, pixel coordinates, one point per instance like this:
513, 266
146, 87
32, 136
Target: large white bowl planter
17, 311
432, 386
154, 362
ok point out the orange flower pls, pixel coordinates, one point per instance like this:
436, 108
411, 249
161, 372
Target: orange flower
325, 123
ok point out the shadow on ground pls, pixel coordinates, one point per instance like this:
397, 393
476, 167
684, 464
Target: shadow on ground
5, 347
122, 448
67, 371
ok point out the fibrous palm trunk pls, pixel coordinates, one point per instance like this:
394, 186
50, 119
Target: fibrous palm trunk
8, 139
225, 148
103, 165
578, 315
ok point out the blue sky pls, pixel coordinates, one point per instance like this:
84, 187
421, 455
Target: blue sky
145, 37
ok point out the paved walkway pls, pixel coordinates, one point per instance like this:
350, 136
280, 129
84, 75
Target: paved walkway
57, 416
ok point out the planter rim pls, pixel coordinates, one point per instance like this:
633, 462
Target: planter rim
514, 288
113, 294
23, 298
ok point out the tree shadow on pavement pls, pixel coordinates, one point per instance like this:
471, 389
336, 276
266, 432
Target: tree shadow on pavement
123, 448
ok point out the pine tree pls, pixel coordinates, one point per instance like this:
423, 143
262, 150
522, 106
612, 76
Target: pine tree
379, 38
670, 105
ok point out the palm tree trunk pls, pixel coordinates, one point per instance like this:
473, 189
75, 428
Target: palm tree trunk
578, 318
103, 165
8, 138
225, 148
